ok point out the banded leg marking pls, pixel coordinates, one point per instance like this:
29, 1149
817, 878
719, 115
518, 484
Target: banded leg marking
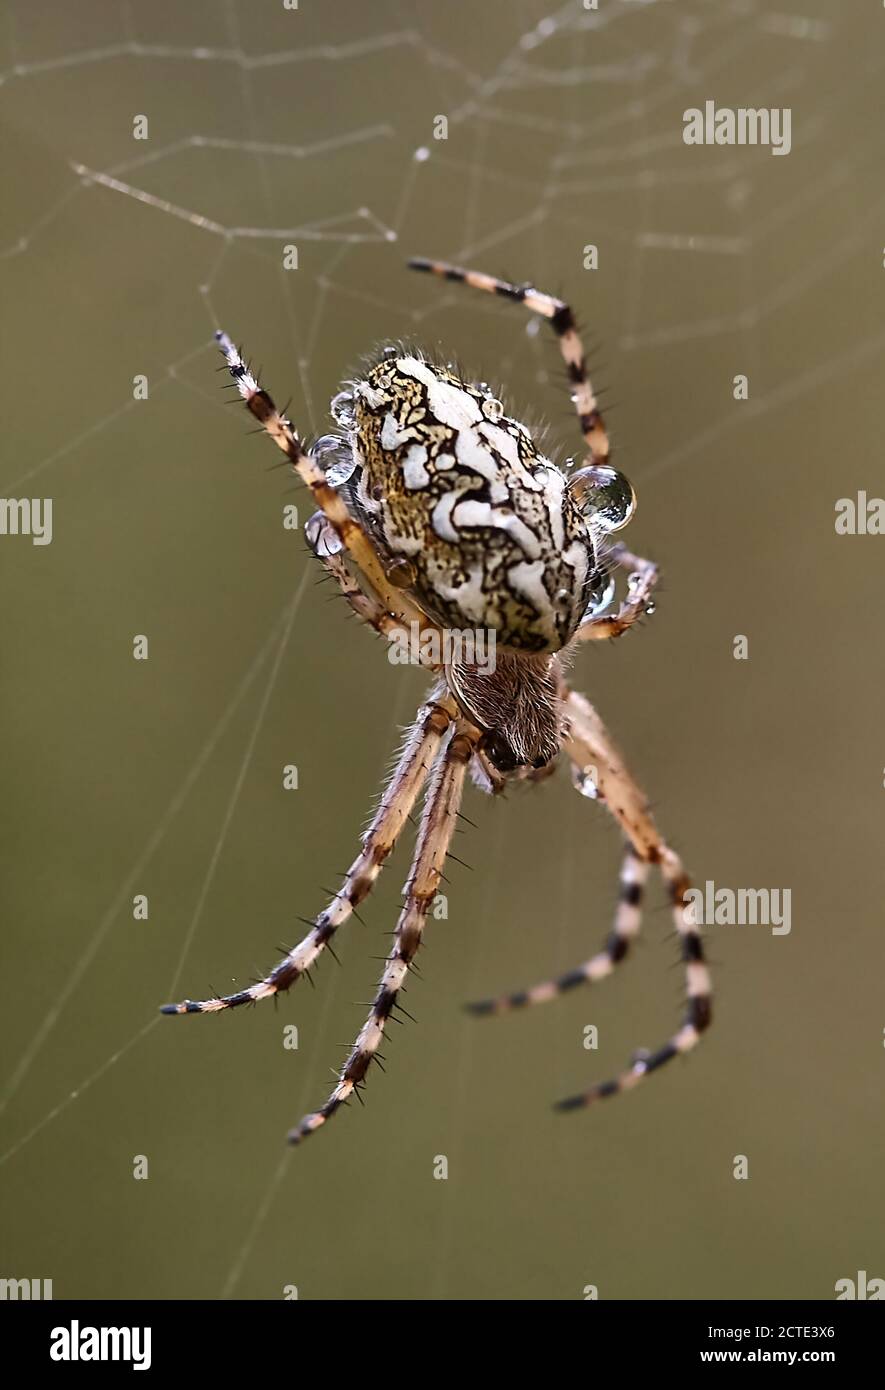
261, 406
397, 800
434, 837
588, 744
628, 916
562, 320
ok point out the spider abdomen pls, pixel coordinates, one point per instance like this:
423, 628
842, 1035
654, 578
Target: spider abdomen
461, 492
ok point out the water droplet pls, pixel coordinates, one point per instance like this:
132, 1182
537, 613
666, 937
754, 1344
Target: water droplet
584, 779
605, 496
327, 446
602, 591
401, 574
321, 536
341, 408
335, 457
341, 472
492, 409
650, 607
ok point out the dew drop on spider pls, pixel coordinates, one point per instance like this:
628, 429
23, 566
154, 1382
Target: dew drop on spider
492, 409
341, 408
605, 495
401, 573
322, 537
584, 780
603, 591
335, 459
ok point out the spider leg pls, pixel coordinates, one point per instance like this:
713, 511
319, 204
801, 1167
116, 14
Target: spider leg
365, 605
434, 837
591, 751
351, 534
634, 872
563, 323
644, 576
397, 800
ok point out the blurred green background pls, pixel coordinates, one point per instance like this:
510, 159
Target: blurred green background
164, 777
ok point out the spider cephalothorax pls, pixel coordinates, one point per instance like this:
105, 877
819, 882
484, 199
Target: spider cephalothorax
438, 511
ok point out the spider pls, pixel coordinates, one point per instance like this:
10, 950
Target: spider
436, 510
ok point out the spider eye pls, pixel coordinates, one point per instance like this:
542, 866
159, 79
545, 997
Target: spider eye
604, 495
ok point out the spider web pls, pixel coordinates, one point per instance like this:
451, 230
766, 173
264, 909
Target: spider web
316, 128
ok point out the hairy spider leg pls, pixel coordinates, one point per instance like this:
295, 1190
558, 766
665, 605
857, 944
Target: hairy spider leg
562, 320
588, 745
367, 607
644, 576
628, 916
421, 747
434, 837
352, 535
